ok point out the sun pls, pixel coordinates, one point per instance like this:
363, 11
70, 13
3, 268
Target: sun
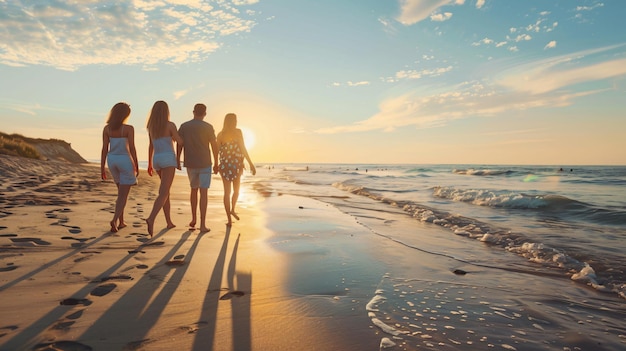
248, 138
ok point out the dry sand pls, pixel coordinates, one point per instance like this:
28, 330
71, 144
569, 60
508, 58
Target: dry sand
67, 283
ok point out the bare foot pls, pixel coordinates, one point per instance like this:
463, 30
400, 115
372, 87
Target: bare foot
192, 225
204, 230
171, 225
232, 213
113, 227
121, 225
150, 227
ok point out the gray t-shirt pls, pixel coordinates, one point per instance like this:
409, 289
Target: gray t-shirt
197, 136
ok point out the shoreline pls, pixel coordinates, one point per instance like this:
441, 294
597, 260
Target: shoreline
293, 272
66, 282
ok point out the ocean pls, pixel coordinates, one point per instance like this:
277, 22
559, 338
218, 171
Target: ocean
559, 231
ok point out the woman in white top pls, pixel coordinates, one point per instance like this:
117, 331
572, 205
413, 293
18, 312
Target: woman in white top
162, 159
118, 149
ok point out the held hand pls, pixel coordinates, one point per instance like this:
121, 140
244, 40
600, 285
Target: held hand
215, 168
178, 165
150, 170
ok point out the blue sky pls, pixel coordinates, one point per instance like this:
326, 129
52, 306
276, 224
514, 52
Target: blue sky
368, 81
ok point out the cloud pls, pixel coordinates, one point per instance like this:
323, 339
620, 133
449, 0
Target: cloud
527, 86
559, 72
471, 99
480, 3
71, 34
351, 84
180, 93
550, 45
440, 17
413, 11
415, 74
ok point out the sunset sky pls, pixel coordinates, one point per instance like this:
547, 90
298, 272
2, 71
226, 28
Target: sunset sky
367, 81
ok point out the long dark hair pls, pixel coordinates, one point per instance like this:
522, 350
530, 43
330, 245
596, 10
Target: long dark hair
118, 115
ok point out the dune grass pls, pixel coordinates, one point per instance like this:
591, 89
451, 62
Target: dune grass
17, 145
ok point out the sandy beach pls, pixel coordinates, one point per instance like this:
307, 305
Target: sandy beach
293, 274
66, 283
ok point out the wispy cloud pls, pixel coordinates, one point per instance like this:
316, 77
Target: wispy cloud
417, 74
71, 34
480, 3
351, 84
558, 72
533, 85
413, 11
550, 45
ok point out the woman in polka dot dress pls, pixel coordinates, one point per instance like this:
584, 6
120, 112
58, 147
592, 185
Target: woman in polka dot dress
232, 151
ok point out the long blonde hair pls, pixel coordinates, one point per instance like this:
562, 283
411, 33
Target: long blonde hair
118, 115
159, 117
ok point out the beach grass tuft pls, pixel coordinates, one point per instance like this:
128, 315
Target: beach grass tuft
16, 145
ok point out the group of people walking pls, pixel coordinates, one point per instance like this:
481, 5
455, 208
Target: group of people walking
195, 141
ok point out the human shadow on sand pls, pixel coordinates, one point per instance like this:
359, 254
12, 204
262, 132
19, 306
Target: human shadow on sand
135, 313
24, 339
239, 298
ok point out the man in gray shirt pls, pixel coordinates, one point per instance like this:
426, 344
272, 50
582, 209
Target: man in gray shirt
198, 144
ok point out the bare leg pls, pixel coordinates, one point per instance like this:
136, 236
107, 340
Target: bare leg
227, 186
236, 184
167, 212
193, 200
120, 204
203, 206
167, 177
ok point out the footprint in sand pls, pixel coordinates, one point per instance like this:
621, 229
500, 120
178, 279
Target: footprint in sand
135, 251
116, 277
9, 267
2, 227
137, 224
103, 289
75, 315
32, 241
7, 235
138, 266
5, 330
75, 230
63, 345
74, 301
179, 257
229, 295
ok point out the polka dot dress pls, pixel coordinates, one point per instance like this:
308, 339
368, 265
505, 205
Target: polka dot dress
231, 160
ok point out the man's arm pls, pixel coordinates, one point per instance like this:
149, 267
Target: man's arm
214, 150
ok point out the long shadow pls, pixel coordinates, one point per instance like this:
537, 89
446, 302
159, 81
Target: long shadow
205, 337
240, 305
136, 313
26, 339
